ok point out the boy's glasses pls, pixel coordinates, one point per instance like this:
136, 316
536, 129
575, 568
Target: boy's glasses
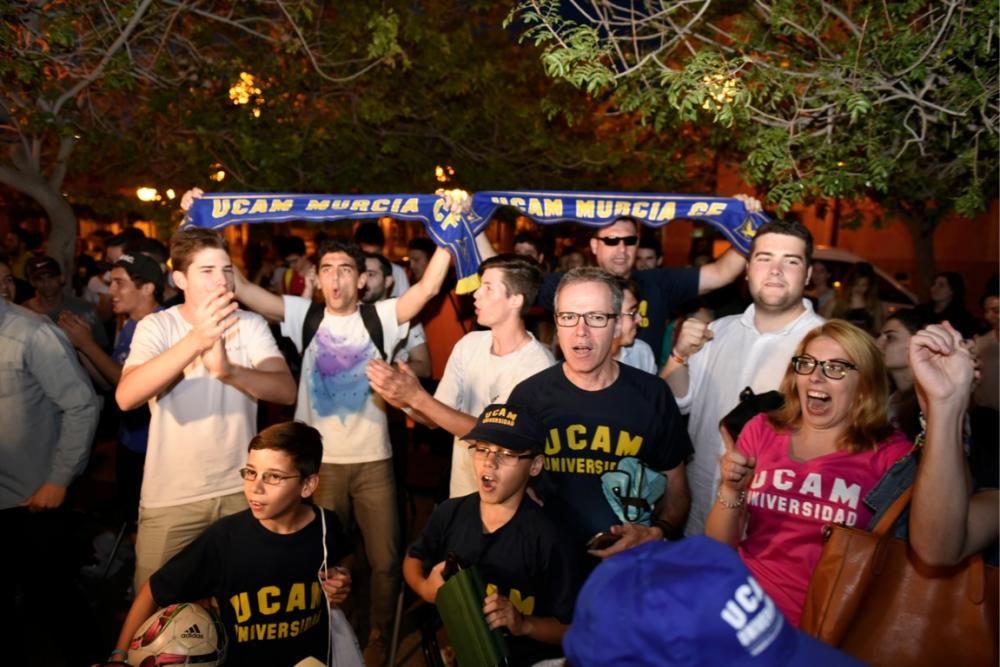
481, 453
268, 477
834, 369
595, 320
615, 240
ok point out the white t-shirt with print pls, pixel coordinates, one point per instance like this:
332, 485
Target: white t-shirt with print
475, 377
200, 427
334, 394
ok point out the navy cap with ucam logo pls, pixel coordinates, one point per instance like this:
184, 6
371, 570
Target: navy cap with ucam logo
690, 603
509, 426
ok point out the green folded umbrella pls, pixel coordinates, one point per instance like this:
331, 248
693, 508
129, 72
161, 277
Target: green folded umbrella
460, 605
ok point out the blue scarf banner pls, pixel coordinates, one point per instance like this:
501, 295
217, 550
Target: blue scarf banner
456, 230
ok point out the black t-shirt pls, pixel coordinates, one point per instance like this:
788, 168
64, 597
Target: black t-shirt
527, 559
266, 585
590, 431
661, 292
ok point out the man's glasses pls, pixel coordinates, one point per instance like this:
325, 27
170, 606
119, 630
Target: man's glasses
268, 477
594, 320
481, 453
615, 240
835, 369
631, 313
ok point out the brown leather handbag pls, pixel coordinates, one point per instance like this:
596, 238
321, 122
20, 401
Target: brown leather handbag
871, 596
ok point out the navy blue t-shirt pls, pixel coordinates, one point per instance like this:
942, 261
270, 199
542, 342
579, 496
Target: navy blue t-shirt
133, 432
590, 431
270, 600
527, 560
661, 291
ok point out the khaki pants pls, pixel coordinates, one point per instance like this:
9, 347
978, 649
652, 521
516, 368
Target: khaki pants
164, 531
369, 491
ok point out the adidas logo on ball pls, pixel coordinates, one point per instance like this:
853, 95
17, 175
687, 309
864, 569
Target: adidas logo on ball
192, 633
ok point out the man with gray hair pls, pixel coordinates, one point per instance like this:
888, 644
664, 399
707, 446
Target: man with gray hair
597, 412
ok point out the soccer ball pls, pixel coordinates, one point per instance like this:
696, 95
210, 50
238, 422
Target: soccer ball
181, 634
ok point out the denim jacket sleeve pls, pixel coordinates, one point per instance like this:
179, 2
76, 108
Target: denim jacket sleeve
893, 483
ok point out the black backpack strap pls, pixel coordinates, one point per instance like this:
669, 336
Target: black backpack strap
374, 326
313, 318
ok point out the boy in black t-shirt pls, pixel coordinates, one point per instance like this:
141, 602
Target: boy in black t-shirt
265, 566
530, 574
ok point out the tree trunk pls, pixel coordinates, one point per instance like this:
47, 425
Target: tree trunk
922, 236
64, 228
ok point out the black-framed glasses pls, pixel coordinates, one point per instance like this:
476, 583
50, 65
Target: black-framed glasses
835, 369
268, 477
612, 241
631, 313
481, 453
595, 319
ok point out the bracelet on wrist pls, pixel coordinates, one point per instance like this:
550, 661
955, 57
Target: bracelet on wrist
731, 505
683, 361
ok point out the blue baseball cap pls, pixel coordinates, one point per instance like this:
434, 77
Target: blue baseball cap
687, 603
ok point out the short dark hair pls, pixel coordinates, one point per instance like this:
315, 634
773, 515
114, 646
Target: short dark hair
423, 244
127, 236
301, 442
337, 245
383, 262
626, 218
520, 275
151, 247
532, 238
651, 243
369, 233
788, 227
630, 285
190, 240
912, 319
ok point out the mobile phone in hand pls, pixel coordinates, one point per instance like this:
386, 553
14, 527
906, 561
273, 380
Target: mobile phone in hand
601, 541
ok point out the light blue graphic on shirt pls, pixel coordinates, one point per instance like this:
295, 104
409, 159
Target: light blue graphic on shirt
339, 384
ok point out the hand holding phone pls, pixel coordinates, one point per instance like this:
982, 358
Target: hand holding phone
601, 541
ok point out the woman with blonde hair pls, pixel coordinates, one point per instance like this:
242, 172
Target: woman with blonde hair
809, 463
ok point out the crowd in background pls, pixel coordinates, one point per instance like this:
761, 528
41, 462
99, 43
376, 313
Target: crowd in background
149, 354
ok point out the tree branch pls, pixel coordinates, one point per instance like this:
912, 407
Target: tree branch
111, 51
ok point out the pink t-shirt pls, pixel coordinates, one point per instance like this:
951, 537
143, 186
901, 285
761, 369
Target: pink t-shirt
790, 501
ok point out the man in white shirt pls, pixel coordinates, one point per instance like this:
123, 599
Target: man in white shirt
484, 366
202, 366
712, 363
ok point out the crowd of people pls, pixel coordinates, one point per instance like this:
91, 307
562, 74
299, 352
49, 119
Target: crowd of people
561, 416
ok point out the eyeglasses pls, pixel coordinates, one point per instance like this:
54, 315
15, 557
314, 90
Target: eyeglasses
481, 453
268, 477
594, 320
631, 313
835, 369
615, 240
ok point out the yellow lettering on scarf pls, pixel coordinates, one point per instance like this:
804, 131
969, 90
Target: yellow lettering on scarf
220, 208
